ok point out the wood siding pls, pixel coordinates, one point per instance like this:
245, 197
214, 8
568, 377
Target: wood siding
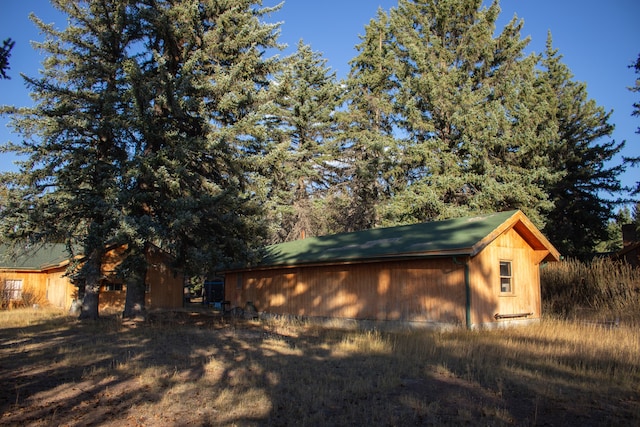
416, 290
34, 284
486, 298
425, 290
165, 284
60, 291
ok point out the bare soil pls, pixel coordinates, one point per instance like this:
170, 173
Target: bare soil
197, 369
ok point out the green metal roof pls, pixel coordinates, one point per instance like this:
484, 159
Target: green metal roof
453, 236
35, 259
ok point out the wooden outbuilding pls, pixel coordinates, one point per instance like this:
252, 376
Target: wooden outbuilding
39, 276
474, 271
630, 252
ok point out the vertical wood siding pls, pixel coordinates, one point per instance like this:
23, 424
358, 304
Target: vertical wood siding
417, 290
60, 291
33, 284
165, 284
486, 298
429, 290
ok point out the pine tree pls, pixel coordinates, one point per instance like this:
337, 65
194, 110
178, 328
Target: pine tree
296, 166
145, 112
199, 88
579, 218
5, 54
367, 141
470, 113
74, 140
634, 161
614, 240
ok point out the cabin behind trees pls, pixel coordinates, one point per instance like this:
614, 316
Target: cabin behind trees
473, 271
39, 276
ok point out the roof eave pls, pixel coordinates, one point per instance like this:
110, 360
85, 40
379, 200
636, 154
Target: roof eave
527, 230
465, 252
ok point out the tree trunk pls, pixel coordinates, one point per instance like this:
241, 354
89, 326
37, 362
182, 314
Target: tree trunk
91, 276
90, 302
135, 300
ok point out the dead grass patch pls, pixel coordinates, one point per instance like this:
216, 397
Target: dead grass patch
197, 369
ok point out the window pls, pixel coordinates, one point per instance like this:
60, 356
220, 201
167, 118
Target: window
505, 277
12, 289
110, 286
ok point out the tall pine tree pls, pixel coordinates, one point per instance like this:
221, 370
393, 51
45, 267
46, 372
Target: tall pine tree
634, 161
470, 114
581, 211
199, 87
367, 141
145, 112
297, 164
74, 140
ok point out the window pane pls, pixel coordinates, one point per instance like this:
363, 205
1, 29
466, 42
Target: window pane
13, 289
505, 276
505, 268
505, 284
112, 287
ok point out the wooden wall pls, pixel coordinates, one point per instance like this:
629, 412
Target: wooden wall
34, 284
417, 290
44, 286
165, 285
429, 290
60, 291
486, 298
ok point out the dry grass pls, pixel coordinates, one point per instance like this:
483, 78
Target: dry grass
600, 288
196, 369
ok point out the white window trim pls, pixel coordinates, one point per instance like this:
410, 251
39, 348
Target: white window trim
510, 277
13, 289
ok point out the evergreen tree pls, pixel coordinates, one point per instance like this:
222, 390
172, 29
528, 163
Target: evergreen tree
199, 88
634, 161
614, 241
470, 112
367, 141
145, 113
297, 164
75, 140
579, 218
5, 54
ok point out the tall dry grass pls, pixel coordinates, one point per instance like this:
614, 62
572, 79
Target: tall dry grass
601, 288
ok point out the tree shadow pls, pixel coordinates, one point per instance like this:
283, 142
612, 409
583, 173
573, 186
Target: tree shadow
195, 369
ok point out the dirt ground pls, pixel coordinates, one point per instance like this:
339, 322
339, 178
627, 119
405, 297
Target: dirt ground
191, 369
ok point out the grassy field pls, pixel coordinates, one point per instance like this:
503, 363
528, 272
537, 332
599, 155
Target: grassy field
197, 369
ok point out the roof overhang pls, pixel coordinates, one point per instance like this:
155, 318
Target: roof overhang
412, 249
527, 230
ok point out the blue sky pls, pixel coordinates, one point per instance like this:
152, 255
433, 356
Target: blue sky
598, 40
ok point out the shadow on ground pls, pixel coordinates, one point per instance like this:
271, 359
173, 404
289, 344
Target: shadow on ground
194, 368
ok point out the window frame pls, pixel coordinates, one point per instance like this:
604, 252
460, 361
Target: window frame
112, 286
508, 276
12, 289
